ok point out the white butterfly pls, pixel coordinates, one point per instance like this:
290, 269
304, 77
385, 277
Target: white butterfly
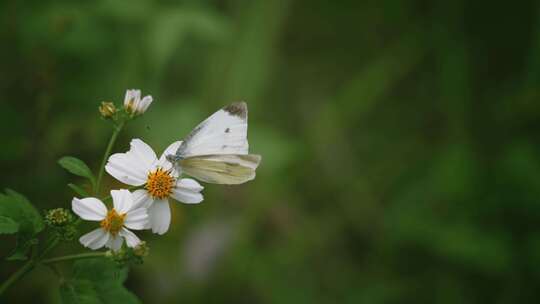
216, 151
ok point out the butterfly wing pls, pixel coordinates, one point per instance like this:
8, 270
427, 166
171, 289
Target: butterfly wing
216, 151
228, 169
224, 132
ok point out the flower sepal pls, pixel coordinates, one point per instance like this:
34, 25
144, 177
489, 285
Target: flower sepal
127, 256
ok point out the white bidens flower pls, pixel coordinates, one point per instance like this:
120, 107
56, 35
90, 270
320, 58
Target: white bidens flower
134, 104
126, 213
140, 166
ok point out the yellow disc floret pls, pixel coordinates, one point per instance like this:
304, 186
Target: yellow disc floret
113, 222
159, 183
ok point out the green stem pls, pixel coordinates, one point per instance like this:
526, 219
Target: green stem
114, 135
28, 266
17, 275
49, 247
73, 257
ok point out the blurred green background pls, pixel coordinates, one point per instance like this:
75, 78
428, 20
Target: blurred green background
400, 142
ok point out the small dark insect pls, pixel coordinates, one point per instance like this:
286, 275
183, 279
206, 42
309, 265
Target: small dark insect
227, 130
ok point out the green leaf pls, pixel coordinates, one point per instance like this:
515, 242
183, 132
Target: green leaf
16, 207
97, 281
7, 225
80, 191
77, 167
80, 292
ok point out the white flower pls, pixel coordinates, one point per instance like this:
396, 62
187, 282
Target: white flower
134, 104
140, 166
126, 213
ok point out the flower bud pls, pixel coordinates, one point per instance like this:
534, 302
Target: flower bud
58, 217
107, 109
134, 105
142, 250
60, 222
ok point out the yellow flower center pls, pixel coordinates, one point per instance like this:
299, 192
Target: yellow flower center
159, 184
113, 222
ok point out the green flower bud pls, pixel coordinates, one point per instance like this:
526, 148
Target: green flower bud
120, 257
61, 223
58, 217
129, 256
142, 250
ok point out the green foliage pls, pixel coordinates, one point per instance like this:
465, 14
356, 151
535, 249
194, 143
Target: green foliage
17, 207
24, 243
77, 167
7, 225
79, 292
21, 212
96, 281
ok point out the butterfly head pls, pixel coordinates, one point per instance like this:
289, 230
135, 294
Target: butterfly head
173, 158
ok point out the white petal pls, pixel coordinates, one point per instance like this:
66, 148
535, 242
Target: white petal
128, 97
171, 149
133, 166
131, 239
191, 184
160, 216
145, 103
90, 209
187, 191
141, 199
136, 94
137, 219
95, 239
142, 152
126, 169
132, 95
122, 200
115, 243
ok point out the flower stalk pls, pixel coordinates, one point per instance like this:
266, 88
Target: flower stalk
29, 265
72, 257
112, 140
